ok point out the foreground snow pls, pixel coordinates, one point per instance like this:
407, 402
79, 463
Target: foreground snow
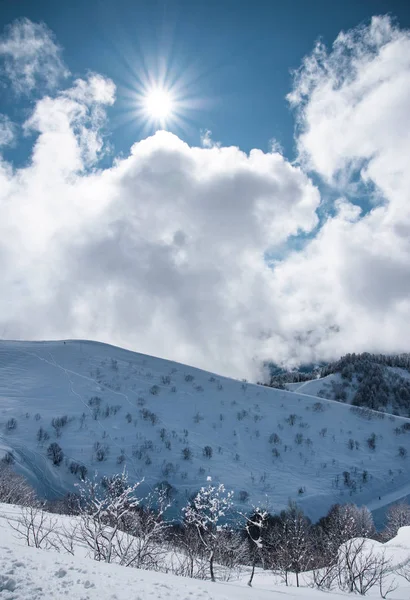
27, 573
30, 574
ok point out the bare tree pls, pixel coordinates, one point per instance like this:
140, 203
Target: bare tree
293, 543
232, 552
14, 489
36, 527
360, 567
325, 578
398, 515
68, 537
404, 569
55, 453
342, 523
386, 585
188, 558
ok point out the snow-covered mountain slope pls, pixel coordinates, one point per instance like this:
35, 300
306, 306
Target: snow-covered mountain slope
169, 422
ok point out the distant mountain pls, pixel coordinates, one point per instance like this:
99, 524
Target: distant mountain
376, 381
76, 407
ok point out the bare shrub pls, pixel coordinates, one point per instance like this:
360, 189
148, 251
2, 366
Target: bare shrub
186, 453
79, 470
55, 453
371, 441
243, 496
148, 415
36, 528
95, 401
58, 423
11, 424
274, 438
291, 420
100, 451
207, 452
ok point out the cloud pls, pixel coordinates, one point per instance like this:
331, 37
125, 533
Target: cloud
31, 57
165, 252
6, 131
354, 132
206, 139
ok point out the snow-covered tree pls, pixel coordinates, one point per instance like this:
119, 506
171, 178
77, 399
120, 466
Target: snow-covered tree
120, 527
103, 512
208, 512
398, 515
143, 547
255, 526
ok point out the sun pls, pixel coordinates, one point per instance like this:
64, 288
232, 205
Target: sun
159, 105
162, 101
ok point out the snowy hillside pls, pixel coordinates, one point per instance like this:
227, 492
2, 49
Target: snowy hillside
101, 407
376, 381
392, 398
29, 573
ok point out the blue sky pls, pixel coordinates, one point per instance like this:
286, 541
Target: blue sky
238, 54
222, 251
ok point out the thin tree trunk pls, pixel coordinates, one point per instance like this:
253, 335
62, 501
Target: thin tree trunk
252, 574
211, 565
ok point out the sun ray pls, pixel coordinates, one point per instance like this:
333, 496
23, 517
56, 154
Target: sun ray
159, 90
159, 105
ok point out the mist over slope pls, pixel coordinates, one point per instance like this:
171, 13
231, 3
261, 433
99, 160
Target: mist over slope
377, 381
106, 408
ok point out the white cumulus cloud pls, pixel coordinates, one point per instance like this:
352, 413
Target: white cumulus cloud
354, 131
165, 252
162, 252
